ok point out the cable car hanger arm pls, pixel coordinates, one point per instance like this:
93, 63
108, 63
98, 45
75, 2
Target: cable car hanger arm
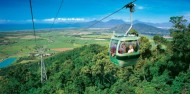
131, 7
131, 24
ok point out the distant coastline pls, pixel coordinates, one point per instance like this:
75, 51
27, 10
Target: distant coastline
14, 27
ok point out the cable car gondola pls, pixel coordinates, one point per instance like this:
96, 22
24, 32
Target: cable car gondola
124, 49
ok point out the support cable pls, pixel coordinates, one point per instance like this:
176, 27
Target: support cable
33, 25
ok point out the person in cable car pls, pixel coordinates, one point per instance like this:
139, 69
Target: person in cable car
122, 48
113, 49
130, 49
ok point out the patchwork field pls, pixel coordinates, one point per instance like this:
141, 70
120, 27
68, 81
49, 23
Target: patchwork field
22, 43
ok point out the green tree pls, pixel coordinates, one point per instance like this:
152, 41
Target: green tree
133, 31
178, 22
181, 84
145, 47
180, 45
159, 39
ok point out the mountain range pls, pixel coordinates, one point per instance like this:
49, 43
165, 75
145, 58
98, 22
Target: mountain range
141, 28
164, 25
115, 22
113, 25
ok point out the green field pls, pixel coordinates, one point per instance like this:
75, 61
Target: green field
21, 44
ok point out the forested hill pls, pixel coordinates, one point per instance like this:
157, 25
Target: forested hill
87, 70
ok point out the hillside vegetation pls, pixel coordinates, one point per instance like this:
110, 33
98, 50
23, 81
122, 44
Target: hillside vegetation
164, 69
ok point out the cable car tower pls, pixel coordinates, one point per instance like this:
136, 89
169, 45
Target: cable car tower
41, 52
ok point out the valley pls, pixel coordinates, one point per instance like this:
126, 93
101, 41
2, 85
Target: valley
22, 44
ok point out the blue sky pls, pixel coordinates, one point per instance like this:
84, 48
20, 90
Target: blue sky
156, 11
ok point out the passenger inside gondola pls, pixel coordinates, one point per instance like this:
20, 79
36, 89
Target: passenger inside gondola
130, 49
122, 48
113, 49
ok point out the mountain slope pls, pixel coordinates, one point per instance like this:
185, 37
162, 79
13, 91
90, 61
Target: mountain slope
107, 24
164, 25
141, 28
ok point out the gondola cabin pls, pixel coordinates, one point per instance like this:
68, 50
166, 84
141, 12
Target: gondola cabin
124, 50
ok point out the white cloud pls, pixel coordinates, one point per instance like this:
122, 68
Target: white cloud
49, 20
4, 21
140, 7
58, 20
35, 20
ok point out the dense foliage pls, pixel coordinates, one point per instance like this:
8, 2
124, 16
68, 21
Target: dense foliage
87, 70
